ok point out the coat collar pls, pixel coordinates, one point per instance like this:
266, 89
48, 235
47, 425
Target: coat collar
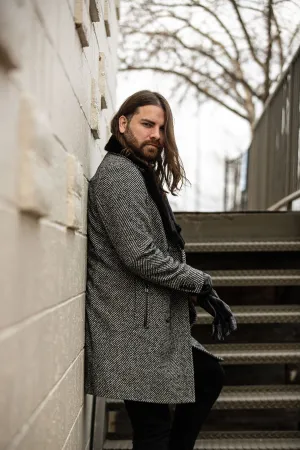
114, 146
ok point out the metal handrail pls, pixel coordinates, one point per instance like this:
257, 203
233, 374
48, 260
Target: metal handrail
284, 201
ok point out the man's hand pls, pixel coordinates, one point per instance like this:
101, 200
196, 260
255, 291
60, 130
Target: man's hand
224, 321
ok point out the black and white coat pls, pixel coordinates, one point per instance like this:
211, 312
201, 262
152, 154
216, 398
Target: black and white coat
138, 331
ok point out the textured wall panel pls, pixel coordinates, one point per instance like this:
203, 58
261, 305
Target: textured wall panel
75, 440
82, 21
11, 34
102, 81
51, 141
57, 414
9, 153
36, 143
95, 110
75, 189
37, 355
107, 19
95, 10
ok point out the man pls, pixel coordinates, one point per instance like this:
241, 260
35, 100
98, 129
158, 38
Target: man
140, 291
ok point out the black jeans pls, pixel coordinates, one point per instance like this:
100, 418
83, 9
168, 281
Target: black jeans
153, 428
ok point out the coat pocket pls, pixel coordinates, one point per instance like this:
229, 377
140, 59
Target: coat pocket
146, 322
142, 305
152, 311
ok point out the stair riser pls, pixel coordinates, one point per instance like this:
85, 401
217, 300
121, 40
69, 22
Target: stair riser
244, 261
255, 333
250, 420
220, 227
238, 375
260, 295
218, 420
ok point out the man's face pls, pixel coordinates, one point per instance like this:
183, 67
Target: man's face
145, 132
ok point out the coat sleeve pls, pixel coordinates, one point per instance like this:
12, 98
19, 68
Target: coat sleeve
122, 201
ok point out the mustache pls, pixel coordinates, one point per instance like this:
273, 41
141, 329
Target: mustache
155, 144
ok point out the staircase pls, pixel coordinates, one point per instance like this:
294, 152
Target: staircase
254, 260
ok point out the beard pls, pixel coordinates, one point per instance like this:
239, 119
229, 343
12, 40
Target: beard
148, 150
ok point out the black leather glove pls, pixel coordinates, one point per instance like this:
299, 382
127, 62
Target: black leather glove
224, 321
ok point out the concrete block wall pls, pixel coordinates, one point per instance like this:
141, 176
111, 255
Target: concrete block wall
57, 82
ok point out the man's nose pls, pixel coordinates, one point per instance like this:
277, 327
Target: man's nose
155, 134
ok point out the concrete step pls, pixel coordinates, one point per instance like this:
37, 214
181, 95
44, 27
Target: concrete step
255, 277
239, 227
246, 397
218, 435
248, 444
257, 353
261, 373
229, 444
258, 314
231, 441
251, 420
262, 397
245, 261
258, 296
219, 420
242, 246
255, 333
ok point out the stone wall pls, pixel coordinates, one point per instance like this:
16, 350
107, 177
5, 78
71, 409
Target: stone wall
57, 82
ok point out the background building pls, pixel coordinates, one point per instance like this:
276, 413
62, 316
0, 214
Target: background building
57, 80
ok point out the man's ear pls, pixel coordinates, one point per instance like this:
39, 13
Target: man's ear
122, 124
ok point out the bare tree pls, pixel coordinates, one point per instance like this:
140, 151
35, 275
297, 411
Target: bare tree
230, 51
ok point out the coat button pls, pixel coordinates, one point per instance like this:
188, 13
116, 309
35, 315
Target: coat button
168, 319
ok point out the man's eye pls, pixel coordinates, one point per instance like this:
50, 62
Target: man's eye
148, 125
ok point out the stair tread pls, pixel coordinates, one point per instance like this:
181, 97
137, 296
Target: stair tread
261, 396
258, 314
271, 389
255, 434
248, 444
279, 277
243, 226
249, 397
256, 353
251, 441
255, 272
242, 246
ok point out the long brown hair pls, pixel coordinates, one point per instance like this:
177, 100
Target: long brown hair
168, 168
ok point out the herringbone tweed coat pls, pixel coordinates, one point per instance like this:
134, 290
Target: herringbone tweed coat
138, 333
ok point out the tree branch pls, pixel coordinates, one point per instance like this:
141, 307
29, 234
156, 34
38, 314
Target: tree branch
247, 36
205, 53
186, 78
206, 9
269, 50
229, 91
279, 39
208, 45
206, 35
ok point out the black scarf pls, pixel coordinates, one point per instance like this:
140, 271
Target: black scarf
172, 229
